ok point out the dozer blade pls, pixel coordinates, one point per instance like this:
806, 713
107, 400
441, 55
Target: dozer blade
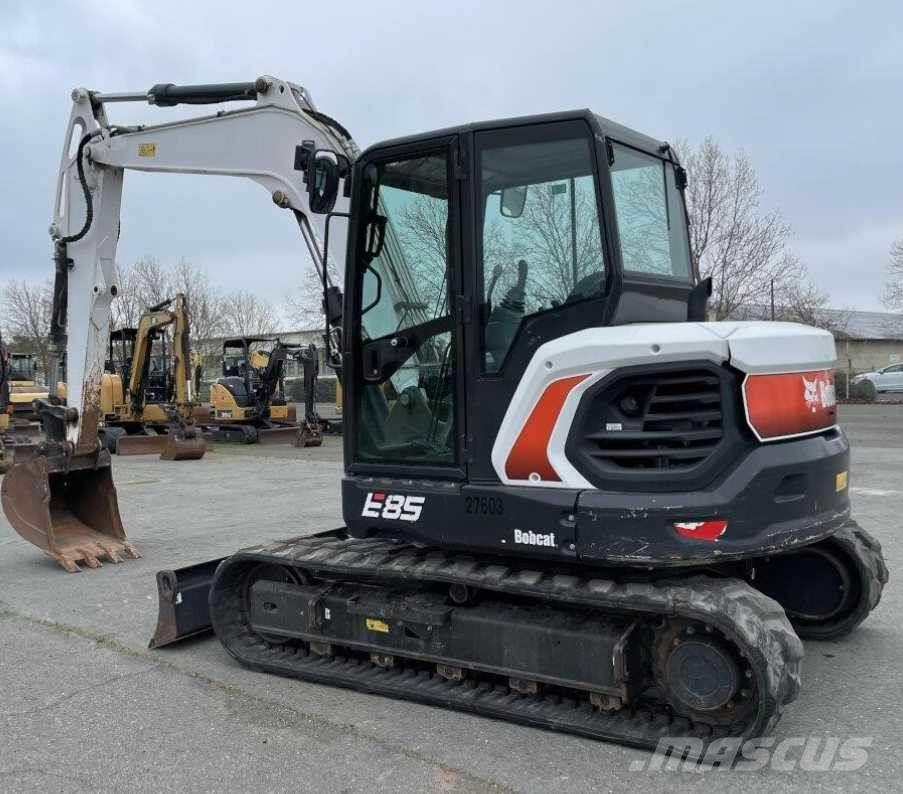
278, 435
180, 448
67, 507
141, 445
182, 602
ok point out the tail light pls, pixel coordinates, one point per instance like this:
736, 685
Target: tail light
701, 530
790, 404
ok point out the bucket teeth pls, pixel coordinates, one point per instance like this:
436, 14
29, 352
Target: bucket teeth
91, 555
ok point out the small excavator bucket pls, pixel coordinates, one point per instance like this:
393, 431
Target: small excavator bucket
309, 435
180, 447
67, 508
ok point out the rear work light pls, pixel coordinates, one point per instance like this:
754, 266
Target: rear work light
790, 404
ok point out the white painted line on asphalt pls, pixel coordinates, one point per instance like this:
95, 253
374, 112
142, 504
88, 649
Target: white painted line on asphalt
873, 491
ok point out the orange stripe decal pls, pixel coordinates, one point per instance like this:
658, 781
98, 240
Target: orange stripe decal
529, 455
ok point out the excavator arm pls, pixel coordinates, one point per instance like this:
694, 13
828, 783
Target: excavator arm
280, 141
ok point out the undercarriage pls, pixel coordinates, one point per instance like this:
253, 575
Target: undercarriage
619, 655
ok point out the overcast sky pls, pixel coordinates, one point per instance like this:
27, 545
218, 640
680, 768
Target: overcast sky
813, 91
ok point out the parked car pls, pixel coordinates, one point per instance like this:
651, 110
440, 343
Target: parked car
887, 379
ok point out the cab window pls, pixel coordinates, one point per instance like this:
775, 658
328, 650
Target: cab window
649, 209
406, 408
541, 239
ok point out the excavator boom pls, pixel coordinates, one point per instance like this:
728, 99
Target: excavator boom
43, 495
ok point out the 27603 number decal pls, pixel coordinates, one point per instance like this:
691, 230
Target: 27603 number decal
484, 505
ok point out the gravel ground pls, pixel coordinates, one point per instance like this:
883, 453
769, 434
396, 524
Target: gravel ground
84, 705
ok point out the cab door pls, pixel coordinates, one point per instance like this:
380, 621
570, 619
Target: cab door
406, 351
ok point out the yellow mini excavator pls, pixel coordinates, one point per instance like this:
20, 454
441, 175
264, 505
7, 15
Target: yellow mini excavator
23, 385
147, 399
248, 402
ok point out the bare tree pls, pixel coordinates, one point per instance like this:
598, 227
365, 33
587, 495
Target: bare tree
205, 303
127, 306
304, 309
244, 314
743, 248
153, 281
893, 287
26, 317
147, 283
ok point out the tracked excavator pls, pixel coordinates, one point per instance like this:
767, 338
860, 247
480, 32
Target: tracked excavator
147, 413
569, 500
23, 386
17, 387
248, 402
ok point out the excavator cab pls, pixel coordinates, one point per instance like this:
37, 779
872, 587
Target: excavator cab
469, 249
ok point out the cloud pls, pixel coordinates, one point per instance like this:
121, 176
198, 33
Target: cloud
809, 89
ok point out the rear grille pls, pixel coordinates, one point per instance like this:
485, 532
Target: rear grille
669, 421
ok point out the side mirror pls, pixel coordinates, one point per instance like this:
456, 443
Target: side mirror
512, 201
323, 173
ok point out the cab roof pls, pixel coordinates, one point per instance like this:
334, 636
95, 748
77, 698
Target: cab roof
601, 126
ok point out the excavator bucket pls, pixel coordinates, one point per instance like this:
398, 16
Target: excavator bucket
67, 507
309, 435
183, 448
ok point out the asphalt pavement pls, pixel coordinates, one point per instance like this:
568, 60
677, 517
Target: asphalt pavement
85, 705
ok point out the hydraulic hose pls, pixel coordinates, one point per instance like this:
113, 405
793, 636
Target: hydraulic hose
82, 180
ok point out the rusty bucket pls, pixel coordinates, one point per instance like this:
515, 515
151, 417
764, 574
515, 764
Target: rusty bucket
67, 507
184, 446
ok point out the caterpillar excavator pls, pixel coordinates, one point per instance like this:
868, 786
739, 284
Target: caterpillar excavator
23, 388
17, 388
165, 423
248, 402
569, 500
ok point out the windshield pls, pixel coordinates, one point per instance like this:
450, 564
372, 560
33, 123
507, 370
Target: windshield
406, 408
21, 368
651, 220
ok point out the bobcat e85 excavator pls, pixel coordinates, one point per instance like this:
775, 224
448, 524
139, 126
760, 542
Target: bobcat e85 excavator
248, 404
569, 500
134, 425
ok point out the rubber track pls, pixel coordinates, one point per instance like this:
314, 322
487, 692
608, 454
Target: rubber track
754, 622
865, 550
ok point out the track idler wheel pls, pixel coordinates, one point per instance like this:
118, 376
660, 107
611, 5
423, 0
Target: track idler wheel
828, 588
701, 676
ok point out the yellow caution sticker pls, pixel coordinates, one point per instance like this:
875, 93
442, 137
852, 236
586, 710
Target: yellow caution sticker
377, 625
147, 150
840, 481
